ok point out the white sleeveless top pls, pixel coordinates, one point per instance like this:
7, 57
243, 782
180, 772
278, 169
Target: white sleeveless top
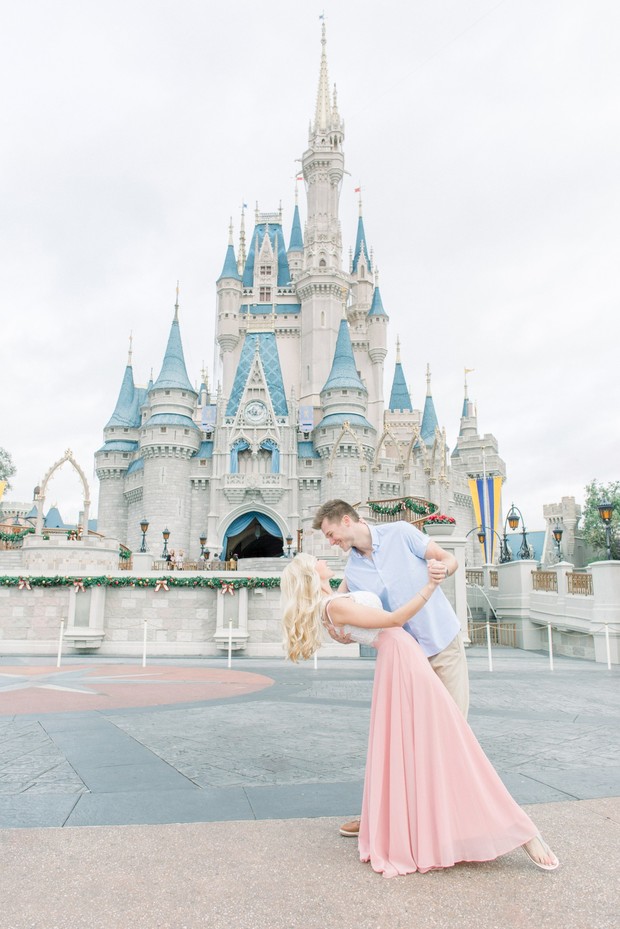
358, 634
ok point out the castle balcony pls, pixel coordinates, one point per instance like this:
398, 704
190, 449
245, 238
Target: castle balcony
413, 510
237, 487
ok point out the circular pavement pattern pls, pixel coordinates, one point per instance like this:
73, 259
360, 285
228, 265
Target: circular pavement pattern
104, 687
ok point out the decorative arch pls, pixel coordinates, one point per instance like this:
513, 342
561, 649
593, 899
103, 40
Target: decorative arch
346, 430
417, 440
68, 456
388, 434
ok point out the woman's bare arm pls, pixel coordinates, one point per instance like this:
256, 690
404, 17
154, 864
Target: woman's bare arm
345, 611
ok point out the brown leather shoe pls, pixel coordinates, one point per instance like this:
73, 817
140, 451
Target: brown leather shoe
351, 829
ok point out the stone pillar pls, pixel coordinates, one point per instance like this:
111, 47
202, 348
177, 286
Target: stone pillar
606, 612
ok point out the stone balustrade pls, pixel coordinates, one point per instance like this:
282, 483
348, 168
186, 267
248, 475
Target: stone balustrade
582, 608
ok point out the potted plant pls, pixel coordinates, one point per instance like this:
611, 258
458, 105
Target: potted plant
439, 524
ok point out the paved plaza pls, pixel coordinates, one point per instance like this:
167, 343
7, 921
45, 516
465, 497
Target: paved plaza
208, 796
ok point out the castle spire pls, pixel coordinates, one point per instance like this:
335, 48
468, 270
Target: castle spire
123, 414
344, 370
130, 353
429, 416
323, 107
399, 397
230, 269
242, 253
173, 371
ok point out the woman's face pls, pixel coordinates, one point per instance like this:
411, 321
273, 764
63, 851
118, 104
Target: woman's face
323, 570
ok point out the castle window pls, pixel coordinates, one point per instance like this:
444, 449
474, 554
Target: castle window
125, 455
167, 393
186, 432
184, 393
163, 429
322, 263
361, 270
125, 430
105, 455
264, 294
265, 270
322, 317
345, 391
203, 462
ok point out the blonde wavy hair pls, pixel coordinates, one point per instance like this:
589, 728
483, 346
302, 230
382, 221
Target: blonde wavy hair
301, 607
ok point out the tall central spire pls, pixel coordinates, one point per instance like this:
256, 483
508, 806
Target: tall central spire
323, 104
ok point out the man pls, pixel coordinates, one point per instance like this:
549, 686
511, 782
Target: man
393, 560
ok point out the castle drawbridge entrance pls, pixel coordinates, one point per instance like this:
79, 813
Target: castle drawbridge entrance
253, 535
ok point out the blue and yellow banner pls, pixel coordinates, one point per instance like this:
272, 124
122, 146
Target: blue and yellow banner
486, 495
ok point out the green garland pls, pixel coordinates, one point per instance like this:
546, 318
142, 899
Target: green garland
422, 509
14, 536
170, 580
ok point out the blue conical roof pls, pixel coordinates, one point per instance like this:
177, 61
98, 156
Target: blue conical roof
344, 370
360, 243
399, 398
230, 269
429, 421
376, 307
173, 371
297, 243
123, 414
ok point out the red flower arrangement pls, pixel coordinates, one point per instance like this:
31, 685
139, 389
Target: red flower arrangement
438, 518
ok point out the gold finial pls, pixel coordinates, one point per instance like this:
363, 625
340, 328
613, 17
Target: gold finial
176, 305
397, 350
428, 380
130, 349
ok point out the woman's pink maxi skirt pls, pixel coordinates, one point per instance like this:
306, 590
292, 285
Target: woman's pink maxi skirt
431, 796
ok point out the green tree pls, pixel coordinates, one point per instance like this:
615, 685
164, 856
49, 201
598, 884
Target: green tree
7, 468
593, 526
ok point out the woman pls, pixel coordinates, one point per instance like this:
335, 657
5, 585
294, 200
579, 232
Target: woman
431, 796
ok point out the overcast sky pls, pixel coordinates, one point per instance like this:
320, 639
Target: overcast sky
485, 136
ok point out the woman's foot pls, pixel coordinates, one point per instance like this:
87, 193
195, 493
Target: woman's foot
540, 854
351, 829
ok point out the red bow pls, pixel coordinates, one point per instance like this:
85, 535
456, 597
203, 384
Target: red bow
161, 585
228, 588
78, 584
24, 584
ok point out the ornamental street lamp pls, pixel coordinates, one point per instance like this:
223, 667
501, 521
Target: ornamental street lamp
144, 528
166, 535
289, 542
557, 535
514, 514
481, 534
605, 511
203, 542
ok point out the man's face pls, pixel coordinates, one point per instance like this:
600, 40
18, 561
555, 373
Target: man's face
339, 532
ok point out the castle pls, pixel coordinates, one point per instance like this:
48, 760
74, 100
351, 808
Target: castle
300, 414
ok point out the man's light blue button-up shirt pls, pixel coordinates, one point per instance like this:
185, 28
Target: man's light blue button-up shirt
396, 571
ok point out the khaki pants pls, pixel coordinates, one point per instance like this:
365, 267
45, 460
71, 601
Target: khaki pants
450, 666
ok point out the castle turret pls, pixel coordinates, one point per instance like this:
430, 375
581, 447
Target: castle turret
377, 325
296, 245
229, 291
169, 439
113, 459
344, 433
322, 286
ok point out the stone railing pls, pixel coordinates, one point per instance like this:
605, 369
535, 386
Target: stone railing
582, 608
545, 580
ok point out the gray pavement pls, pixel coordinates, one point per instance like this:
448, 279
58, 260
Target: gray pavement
228, 807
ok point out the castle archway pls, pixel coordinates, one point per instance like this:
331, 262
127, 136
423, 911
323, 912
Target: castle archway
253, 535
40, 500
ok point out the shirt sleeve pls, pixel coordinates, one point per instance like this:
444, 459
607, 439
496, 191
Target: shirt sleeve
416, 540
